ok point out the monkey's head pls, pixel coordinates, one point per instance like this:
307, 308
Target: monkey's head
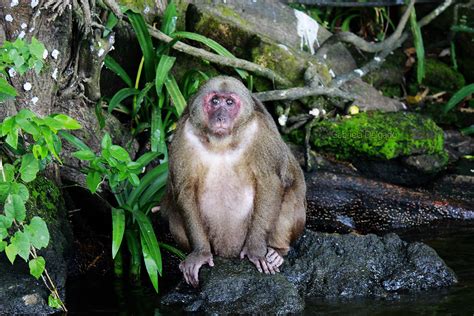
221, 104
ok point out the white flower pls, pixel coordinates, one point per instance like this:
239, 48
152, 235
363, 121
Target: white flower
45, 54
359, 72
21, 35
12, 72
282, 120
55, 53
27, 86
14, 3
8, 18
331, 72
23, 25
146, 10
323, 112
101, 52
314, 112
377, 59
54, 74
34, 100
34, 3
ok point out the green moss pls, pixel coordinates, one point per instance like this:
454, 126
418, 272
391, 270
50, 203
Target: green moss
45, 200
379, 135
441, 77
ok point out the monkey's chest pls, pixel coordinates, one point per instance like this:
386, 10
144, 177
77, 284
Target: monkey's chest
226, 203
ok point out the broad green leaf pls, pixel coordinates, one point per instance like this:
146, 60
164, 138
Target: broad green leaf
22, 244
93, 180
134, 180
157, 138
5, 222
121, 95
149, 238
115, 67
3, 233
106, 141
145, 182
66, 121
28, 126
37, 266
12, 138
419, 47
73, 140
3, 244
459, 96
53, 301
146, 158
21, 190
15, 208
134, 167
168, 24
150, 264
29, 167
49, 139
119, 153
118, 229
36, 48
6, 90
11, 252
7, 125
38, 232
112, 21
141, 96
152, 189
176, 95
468, 130
146, 44
84, 155
162, 72
4, 191
9, 172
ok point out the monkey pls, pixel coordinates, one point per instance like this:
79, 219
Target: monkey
234, 188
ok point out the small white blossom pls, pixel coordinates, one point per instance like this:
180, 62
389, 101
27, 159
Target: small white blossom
34, 100
21, 35
146, 10
377, 59
55, 53
31, 29
359, 72
325, 56
14, 3
45, 54
323, 112
23, 25
282, 120
314, 112
34, 3
27, 86
331, 72
12, 72
8, 18
101, 52
54, 74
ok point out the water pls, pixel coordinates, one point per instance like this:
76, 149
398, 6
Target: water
104, 295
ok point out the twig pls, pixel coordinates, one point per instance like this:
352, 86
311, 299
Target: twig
220, 60
301, 92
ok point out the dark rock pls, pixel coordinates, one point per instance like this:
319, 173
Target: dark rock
319, 266
21, 293
343, 203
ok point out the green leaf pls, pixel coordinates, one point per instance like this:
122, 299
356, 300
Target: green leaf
21, 190
12, 138
84, 155
106, 141
149, 238
118, 229
145, 182
218, 48
150, 264
73, 140
15, 208
29, 167
22, 244
156, 185
36, 48
119, 153
168, 24
162, 71
6, 90
3, 233
458, 97
5, 222
11, 252
121, 95
468, 130
9, 171
38, 232
4, 191
176, 95
419, 47
66, 121
112, 21
28, 126
141, 96
8, 125
93, 180
146, 44
157, 138
99, 114
53, 301
181, 255
37, 266
115, 67
3, 244
134, 180
146, 158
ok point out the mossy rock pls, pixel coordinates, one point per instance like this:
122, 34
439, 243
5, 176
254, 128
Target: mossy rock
440, 77
379, 135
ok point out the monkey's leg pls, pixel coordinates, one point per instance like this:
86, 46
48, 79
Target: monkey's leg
178, 231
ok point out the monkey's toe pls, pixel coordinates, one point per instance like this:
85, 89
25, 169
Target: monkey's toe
274, 258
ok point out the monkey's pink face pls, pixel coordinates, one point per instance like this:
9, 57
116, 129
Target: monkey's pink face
221, 109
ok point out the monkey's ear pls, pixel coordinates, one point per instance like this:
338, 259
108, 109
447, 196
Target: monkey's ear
260, 107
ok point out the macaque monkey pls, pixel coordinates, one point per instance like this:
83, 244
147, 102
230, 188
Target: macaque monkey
234, 188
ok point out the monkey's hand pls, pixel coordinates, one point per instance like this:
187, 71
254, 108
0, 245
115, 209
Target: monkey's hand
191, 265
261, 261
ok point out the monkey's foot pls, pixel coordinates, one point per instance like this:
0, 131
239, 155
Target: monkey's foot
274, 259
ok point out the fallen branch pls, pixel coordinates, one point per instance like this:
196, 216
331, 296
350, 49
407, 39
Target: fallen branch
301, 92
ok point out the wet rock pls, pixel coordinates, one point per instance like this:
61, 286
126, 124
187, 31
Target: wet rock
319, 266
21, 293
347, 202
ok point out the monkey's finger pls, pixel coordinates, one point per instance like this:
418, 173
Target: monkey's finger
211, 262
242, 254
257, 264
264, 265
272, 255
278, 262
195, 275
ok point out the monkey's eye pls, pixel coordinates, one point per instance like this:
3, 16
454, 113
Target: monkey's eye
229, 102
215, 100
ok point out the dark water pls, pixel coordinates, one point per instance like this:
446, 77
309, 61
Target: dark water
103, 295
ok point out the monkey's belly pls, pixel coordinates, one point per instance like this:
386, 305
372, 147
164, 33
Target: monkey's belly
226, 205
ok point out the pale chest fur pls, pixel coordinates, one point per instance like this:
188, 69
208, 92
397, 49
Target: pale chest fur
227, 195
